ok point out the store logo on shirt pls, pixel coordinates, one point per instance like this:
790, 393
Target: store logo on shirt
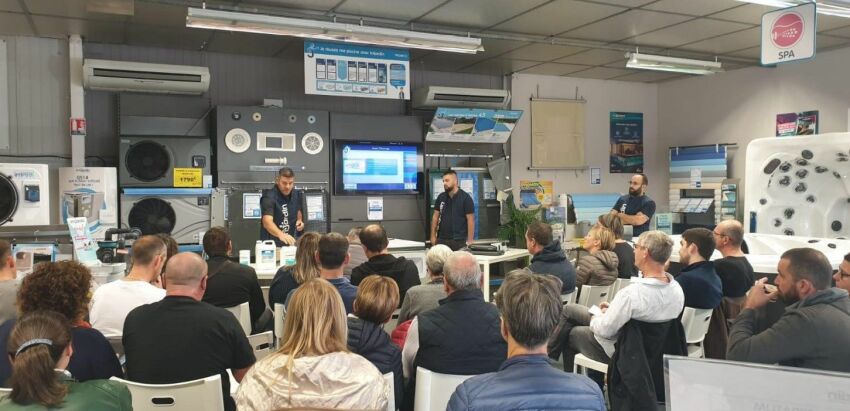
284, 225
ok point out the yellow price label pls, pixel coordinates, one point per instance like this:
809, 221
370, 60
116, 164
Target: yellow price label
188, 177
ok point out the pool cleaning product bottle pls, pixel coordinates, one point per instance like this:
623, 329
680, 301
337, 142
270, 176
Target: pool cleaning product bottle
265, 255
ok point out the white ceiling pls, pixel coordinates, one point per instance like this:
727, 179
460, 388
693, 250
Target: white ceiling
579, 38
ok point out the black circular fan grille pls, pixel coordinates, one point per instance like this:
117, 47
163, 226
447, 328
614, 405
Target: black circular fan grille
147, 161
152, 216
8, 199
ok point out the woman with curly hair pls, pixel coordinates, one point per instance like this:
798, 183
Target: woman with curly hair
64, 287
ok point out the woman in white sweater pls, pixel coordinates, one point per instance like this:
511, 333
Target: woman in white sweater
313, 369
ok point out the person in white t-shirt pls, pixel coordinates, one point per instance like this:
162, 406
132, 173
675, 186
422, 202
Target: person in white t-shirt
112, 302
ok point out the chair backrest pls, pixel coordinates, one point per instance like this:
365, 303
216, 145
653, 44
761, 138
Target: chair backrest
569, 298
390, 325
695, 322
618, 285
243, 314
390, 379
262, 343
116, 343
433, 390
279, 319
4, 392
593, 295
202, 394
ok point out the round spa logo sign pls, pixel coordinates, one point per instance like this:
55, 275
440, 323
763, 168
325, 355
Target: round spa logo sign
787, 30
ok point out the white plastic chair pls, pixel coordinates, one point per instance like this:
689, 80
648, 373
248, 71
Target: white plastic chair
695, 322
584, 362
279, 318
618, 285
262, 343
243, 314
202, 394
390, 325
4, 392
569, 298
117, 344
433, 390
390, 379
593, 295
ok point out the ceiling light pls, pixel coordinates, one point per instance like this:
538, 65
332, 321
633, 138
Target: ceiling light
326, 30
672, 64
840, 8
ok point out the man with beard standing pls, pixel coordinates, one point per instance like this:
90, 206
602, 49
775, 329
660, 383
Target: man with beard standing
281, 207
814, 330
453, 223
635, 209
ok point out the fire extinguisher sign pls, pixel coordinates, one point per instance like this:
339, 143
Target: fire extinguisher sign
789, 34
78, 126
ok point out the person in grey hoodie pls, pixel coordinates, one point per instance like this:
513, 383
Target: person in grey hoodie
548, 257
599, 267
814, 330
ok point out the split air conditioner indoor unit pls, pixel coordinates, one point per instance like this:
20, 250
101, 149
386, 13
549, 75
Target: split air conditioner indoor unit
115, 75
437, 96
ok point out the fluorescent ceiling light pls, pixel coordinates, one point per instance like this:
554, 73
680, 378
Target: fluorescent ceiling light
671, 64
326, 30
840, 8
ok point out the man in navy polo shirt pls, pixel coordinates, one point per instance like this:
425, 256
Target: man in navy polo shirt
281, 207
636, 208
453, 223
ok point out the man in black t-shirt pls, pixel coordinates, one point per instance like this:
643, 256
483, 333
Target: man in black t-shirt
281, 210
636, 208
181, 338
453, 223
736, 273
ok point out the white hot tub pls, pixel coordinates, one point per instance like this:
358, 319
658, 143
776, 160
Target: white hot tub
765, 249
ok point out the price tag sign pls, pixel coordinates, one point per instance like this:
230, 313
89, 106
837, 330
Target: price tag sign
188, 177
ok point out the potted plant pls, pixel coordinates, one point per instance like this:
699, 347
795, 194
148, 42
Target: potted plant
514, 230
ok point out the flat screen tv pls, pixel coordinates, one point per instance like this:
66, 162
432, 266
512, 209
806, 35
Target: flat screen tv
368, 167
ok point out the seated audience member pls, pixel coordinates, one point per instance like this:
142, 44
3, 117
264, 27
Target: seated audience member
313, 368
814, 330
547, 255
599, 265
698, 280
625, 252
424, 297
530, 306
401, 270
40, 348
181, 338
735, 272
229, 283
842, 276
355, 251
171, 247
64, 287
8, 283
112, 302
333, 257
654, 298
306, 268
462, 335
377, 298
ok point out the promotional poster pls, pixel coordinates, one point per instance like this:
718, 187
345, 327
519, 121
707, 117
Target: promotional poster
797, 124
626, 142
353, 70
534, 194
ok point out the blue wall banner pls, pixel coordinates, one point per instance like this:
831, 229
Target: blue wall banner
626, 134
353, 70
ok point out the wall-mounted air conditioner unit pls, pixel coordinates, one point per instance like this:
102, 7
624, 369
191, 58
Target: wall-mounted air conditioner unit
145, 77
437, 96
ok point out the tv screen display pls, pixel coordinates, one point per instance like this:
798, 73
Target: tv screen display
364, 167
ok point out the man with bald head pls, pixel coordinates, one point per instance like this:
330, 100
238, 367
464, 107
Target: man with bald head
181, 338
735, 272
374, 241
463, 335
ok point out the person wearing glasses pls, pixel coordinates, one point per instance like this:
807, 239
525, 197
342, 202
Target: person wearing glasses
842, 276
735, 272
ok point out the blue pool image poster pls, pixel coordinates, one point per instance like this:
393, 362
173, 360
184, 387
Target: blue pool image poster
354, 70
626, 136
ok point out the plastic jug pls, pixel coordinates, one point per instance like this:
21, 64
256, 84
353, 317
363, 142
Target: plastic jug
264, 255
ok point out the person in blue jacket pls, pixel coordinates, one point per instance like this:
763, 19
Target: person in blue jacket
530, 306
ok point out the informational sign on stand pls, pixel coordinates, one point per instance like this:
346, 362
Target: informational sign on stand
85, 248
789, 34
352, 70
375, 208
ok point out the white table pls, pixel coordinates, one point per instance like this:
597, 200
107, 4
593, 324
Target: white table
485, 261
396, 246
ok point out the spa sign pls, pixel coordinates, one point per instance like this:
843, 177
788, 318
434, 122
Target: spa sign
788, 34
